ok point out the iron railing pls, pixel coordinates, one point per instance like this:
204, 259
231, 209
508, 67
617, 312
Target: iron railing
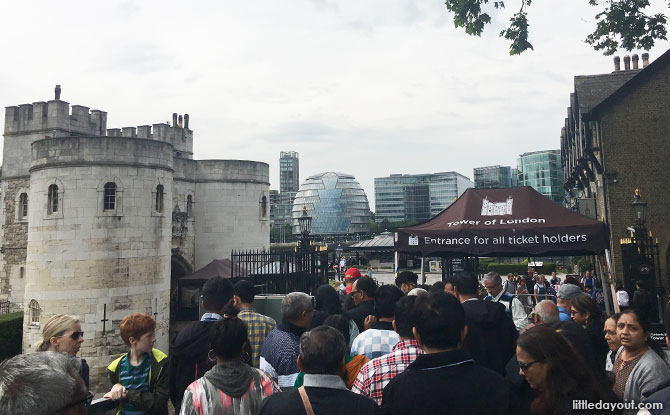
4, 307
281, 272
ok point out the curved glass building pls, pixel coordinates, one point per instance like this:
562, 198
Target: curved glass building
336, 202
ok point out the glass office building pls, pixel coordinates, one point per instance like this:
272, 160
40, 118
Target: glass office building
289, 171
542, 171
417, 197
493, 177
336, 202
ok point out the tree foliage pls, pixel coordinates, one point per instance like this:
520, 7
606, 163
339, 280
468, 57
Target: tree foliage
623, 24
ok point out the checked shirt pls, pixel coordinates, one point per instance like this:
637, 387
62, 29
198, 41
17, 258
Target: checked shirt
258, 327
377, 373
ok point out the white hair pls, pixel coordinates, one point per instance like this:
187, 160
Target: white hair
494, 277
547, 311
294, 304
37, 383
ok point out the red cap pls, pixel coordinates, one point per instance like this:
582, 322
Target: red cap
352, 273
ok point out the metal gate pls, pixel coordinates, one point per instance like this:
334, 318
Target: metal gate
641, 262
275, 272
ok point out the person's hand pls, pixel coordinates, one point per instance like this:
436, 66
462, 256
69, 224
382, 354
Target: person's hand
369, 322
117, 392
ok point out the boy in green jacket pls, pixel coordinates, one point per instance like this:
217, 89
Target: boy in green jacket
139, 378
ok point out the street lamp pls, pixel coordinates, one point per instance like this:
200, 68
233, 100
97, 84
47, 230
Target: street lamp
639, 209
305, 223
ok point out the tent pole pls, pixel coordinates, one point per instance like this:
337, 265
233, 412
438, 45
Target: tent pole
612, 287
423, 270
607, 295
395, 264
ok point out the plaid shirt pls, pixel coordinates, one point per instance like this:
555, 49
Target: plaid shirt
377, 373
258, 326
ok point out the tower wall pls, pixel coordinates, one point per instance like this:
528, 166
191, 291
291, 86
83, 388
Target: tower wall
84, 257
227, 209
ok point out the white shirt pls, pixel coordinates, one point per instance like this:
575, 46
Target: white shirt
518, 314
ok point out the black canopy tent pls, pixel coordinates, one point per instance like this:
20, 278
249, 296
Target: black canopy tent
505, 222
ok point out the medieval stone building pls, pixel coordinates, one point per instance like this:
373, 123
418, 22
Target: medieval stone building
100, 222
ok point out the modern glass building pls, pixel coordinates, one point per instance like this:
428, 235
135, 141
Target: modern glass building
542, 171
416, 197
289, 171
493, 177
336, 202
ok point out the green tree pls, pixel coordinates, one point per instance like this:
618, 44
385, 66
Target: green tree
620, 24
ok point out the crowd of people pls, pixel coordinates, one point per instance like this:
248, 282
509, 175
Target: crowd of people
390, 349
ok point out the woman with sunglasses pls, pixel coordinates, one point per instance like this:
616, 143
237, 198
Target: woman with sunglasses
639, 370
62, 333
231, 386
556, 372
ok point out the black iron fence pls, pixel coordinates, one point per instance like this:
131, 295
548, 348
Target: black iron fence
281, 272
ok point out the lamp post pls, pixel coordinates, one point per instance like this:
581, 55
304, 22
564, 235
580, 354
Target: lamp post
639, 210
305, 223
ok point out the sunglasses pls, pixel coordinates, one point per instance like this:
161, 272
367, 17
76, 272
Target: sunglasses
525, 366
87, 400
75, 335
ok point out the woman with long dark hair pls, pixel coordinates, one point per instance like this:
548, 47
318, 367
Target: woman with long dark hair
327, 303
556, 372
586, 312
231, 386
639, 370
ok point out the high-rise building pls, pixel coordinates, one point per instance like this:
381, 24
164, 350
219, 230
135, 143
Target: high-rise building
542, 171
289, 171
417, 197
493, 177
289, 176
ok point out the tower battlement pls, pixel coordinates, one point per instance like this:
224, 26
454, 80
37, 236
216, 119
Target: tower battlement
55, 115
181, 138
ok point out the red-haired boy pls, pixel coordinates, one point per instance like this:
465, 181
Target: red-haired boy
140, 379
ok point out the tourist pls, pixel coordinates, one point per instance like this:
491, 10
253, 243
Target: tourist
231, 386
321, 358
622, 298
566, 293
493, 284
587, 282
369, 273
598, 295
540, 289
406, 281
491, 333
140, 377
352, 364
326, 304
188, 360
522, 293
43, 384
545, 312
62, 333
557, 374
638, 369
613, 342
363, 296
555, 281
586, 312
258, 325
350, 277
509, 286
280, 348
376, 374
437, 286
379, 338
445, 380
450, 286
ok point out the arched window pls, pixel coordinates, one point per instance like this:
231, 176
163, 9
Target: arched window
109, 200
159, 198
189, 206
53, 199
264, 206
34, 313
23, 206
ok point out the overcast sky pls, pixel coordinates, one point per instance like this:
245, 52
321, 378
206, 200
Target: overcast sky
367, 88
